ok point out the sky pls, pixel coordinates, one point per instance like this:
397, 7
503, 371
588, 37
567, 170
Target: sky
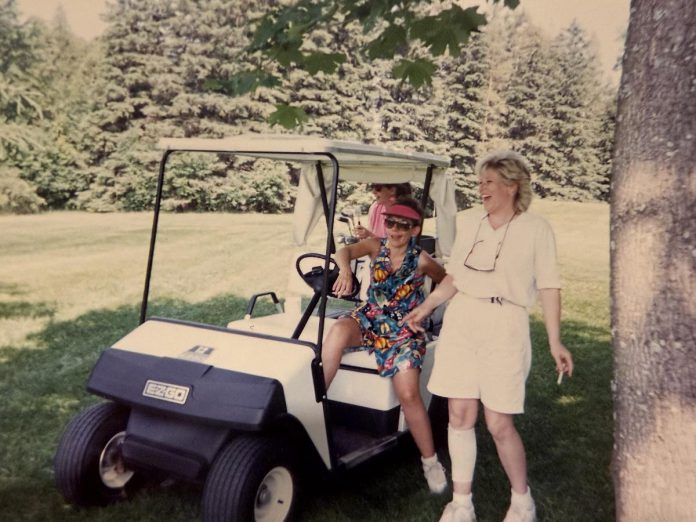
604, 20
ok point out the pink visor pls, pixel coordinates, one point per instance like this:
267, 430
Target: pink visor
402, 211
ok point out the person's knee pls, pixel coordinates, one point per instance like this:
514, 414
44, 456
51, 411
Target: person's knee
462, 415
500, 427
409, 397
339, 337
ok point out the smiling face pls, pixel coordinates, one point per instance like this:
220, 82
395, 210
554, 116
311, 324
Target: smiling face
497, 197
396, 234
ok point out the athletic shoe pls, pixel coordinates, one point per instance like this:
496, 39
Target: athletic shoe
435, 475
458, 513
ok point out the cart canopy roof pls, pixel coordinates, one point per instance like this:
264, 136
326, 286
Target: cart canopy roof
357, 162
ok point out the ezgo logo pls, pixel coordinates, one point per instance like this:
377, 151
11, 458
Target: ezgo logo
166, 392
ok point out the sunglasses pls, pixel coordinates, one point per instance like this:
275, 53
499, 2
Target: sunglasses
400, 225
376, 186
497, 251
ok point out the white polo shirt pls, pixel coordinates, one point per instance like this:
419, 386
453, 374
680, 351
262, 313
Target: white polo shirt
526, 263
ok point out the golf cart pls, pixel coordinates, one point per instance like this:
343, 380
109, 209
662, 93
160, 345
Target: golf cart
242, 407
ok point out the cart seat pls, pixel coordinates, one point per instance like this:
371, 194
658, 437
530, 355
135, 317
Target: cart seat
283, 325
357, 381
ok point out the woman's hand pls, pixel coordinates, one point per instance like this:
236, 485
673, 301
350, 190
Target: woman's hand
344, 283
416, 316
563, 358
361, 232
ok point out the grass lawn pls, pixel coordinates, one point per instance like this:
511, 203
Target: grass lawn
71, 284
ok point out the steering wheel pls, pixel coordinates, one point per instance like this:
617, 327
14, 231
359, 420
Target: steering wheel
315, 277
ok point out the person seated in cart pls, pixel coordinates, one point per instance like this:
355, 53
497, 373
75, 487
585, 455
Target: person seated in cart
386, 195
397, 271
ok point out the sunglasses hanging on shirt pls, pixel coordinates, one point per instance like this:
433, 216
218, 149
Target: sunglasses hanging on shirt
478, 241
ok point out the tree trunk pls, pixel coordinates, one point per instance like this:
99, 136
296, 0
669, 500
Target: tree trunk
653, 255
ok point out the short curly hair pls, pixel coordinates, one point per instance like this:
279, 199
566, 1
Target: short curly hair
512, 169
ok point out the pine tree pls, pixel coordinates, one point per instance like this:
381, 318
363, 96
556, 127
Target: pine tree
467, 80
338, 105
575, 129
58, 169
530, 106
160, 56
606, 143
21, 107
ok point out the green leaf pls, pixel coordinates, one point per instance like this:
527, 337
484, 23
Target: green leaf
387, 43
263, 35
418, 72
448, 29
288, 116
288, 53
369, 12
437, 37
325, 62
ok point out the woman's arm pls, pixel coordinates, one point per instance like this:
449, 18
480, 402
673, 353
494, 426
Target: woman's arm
551, 305
444, 291
343, 257
428, 266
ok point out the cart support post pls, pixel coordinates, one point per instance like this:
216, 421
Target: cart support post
153, 235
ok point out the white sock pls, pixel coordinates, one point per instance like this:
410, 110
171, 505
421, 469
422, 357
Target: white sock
462, 499
429, 461
462, 450
523, 499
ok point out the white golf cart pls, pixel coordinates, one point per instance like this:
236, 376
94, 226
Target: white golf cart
242, 407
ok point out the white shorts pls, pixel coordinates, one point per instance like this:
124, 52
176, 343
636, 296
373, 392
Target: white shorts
483, 352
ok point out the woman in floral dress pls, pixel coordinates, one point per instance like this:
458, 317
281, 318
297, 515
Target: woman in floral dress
397, 271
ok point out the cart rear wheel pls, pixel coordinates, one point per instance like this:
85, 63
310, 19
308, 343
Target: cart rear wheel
88, 466
253, 478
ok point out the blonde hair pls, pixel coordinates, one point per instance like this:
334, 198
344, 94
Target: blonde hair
512, 169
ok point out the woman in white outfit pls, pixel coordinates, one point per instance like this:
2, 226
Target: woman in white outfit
501, 260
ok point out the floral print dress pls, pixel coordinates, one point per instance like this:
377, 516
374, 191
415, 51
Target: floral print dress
392, 294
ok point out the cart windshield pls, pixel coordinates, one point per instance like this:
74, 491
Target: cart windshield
231, 226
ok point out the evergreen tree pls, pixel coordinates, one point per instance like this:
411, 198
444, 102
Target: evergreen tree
606, 144
338, 105
467, 85
58, 169
576, 117
530, 106
21, 106
159, 56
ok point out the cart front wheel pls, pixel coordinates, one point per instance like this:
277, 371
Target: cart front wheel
253, 478
88, 466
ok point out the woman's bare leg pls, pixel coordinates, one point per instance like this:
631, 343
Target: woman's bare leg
408, 392
345, 332
510, 448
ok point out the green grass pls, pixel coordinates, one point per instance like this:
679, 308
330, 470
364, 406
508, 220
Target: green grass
71, 283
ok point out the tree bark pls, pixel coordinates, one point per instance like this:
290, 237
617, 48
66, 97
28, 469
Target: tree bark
653, 256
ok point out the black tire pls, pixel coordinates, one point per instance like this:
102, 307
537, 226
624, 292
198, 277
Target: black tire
77, 459
235, 484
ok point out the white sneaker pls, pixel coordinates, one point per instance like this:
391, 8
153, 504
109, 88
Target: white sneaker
458, 513
518, 513
435, 475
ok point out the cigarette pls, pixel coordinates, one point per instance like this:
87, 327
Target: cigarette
560, 377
